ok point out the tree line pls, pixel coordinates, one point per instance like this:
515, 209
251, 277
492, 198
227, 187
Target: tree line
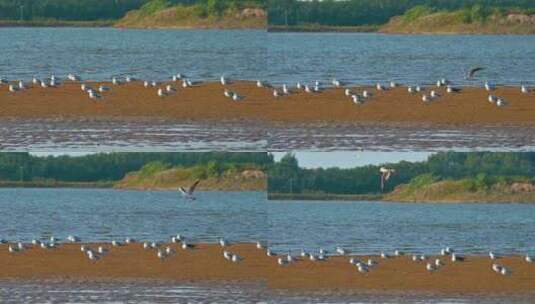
286, 176
112, 166
92, 10
368, 12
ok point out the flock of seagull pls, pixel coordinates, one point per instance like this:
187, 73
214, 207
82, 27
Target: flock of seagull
168, 89
163, 252
366, 266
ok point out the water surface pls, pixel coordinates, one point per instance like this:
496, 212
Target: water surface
372, 227
105, 214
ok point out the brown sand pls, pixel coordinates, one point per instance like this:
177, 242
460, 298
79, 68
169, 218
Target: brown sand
206, 102
206, 263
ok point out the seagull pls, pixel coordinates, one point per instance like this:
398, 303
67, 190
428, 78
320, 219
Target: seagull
169, 250
236, 258
434, 94
103, 89
299, 86
410, 89
146, 245
528, 259
93, 94
386, 173
356, 99
129, 79
228, 93
223, 80
188, 193
129, 240
419, 89
393, 84
492, 99
439, 83
160, 254
73, 239
379, 87
492, 255
259, 84
384, 255
336, 82
282, 261
276, 93
12, 249
524, 89
430, 267
115, 81
73, 77
451, 89
236, 97
497, 268
13, 88
161, 93
269, 253
285, 90
488, 86
426, 98
456, 258
36, 242
259, 245
398, 253
366, 94
227, 255
472, 72
341, 251
101, 250
362, 268
222, 242
348, 92
501, 102
115, 243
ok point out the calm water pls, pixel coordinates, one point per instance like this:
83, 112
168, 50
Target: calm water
369, 58
370, 227
100, 53
104, 214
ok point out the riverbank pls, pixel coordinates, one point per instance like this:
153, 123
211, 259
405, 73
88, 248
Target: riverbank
172, 178
457, 22
205, 263
206, 102
463, 191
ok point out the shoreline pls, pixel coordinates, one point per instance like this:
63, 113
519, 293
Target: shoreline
205, 263
206, 102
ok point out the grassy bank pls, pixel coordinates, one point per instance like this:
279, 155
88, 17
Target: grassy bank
162, 14
474, 20
159, 176
427, 188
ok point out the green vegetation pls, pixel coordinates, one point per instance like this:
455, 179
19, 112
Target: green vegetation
66, 10
329, 14
214, 176
455, 173
111, 167
203, 13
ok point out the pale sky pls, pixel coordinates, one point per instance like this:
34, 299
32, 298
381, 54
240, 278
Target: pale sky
351, 159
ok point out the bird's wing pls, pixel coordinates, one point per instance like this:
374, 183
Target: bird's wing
192, 187
473, 71
182, 190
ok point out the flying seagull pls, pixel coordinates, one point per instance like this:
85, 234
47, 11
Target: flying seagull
188, 193
385, 175
472, 72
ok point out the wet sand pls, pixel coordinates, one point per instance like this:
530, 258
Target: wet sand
206, 102
205, 263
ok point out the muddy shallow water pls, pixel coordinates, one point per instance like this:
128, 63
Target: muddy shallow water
49, 135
